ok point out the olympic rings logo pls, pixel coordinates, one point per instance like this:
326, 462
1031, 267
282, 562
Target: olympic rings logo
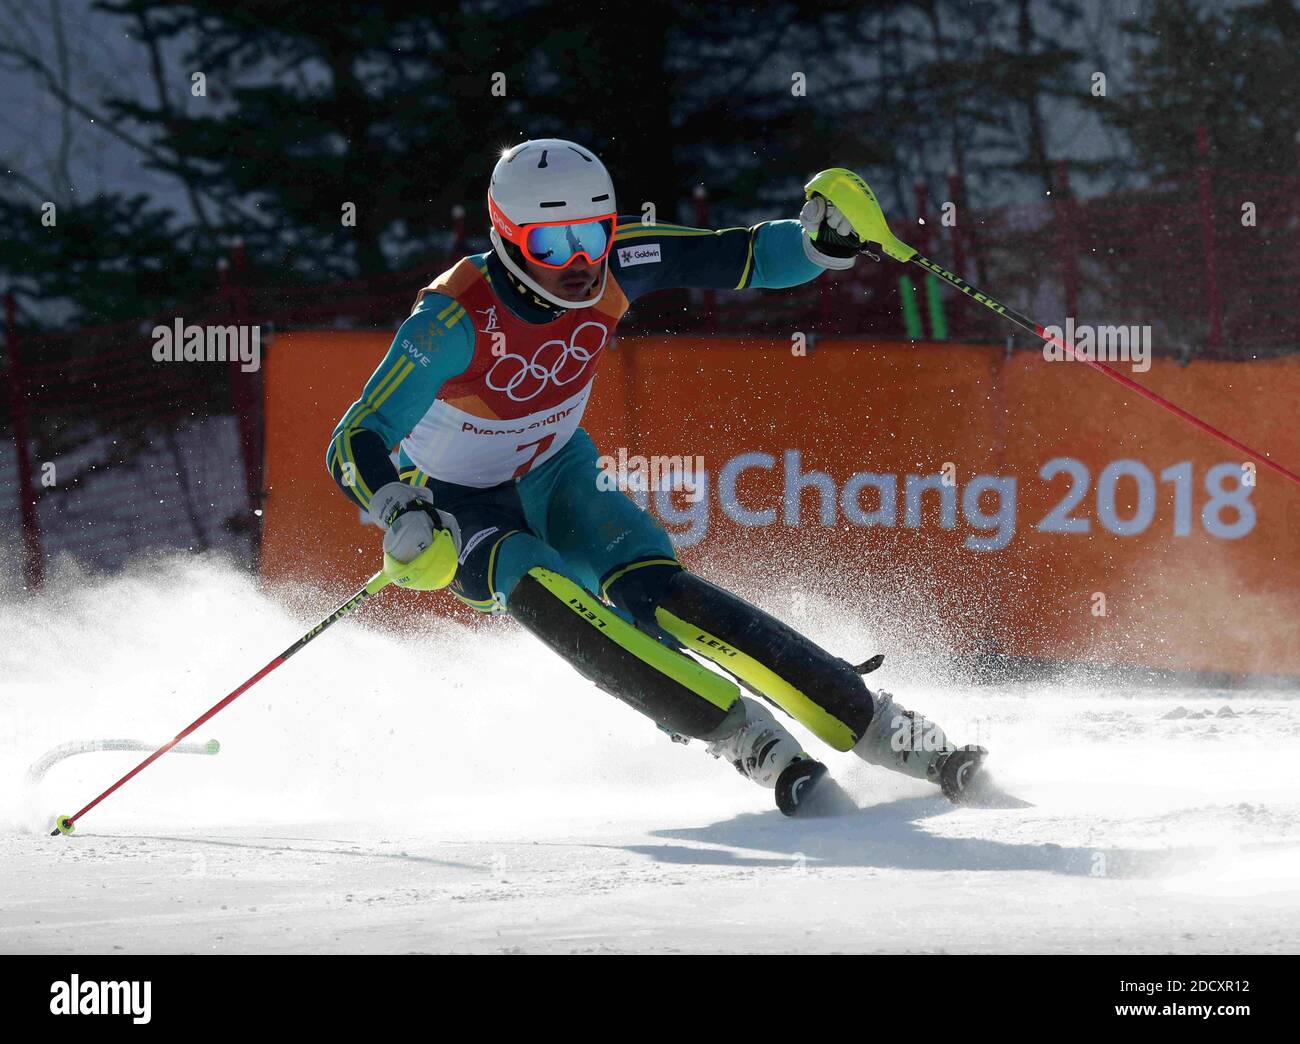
555, 362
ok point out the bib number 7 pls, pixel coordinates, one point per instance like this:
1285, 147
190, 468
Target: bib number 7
542, 445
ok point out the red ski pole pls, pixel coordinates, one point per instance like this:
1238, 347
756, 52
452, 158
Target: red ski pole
1035, 328
859, 204
66, 824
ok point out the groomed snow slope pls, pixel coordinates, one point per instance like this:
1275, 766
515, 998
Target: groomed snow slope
426, 786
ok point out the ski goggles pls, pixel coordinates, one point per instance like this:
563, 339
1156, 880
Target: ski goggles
558, 244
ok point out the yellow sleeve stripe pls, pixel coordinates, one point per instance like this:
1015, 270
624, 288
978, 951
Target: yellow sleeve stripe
371, 403
664, 226
340, 453
343, 458
660, 230
639, 232
454, 310
390, 380
348, 466
336, 459
359, 412
749, 260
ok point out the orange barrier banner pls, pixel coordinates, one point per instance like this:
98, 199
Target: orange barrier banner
310, 530
1038, 509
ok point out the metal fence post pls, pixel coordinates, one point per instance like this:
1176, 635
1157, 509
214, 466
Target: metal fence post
247, 401
957, 241
1067, 219
1205, 196
33, 559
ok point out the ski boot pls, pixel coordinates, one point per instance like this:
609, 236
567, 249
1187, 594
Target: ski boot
805, 789
902, 740
762, 750
959, 772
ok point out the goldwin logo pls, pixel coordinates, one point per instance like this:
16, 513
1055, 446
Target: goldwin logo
646, 254
102, 998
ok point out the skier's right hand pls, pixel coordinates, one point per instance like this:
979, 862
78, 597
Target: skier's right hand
405, 513
829, 239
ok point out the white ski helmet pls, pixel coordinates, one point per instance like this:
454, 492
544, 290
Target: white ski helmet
551, 182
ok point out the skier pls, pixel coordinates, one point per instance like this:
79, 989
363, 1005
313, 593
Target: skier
496, 492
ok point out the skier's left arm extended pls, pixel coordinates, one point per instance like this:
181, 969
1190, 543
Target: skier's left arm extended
769, 255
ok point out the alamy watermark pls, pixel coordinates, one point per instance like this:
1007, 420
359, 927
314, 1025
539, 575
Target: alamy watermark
1130, 344
657, 472
75, 997
194, 343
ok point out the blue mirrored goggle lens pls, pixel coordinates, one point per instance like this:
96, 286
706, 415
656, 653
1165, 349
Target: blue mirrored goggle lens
560, 244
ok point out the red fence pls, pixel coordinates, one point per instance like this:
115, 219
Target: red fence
116, 453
